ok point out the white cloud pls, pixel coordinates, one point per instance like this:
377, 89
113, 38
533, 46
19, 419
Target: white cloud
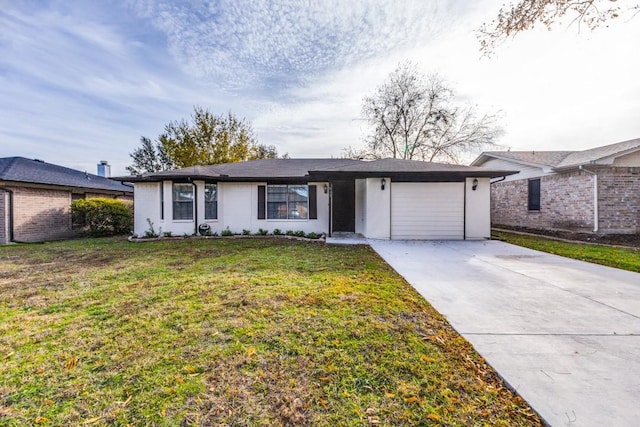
81, 82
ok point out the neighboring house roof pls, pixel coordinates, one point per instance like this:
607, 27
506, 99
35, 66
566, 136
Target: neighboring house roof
564, 159
602, 155
20, 169
281, 169
533, 158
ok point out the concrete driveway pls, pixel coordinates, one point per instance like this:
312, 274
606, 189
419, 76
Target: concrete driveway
564, 333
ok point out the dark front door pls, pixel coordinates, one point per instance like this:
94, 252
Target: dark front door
344, 206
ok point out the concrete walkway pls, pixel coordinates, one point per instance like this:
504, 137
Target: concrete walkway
564, 333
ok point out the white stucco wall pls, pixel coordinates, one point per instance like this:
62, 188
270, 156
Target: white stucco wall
378, 209
237, 210
478, 210
525, 171
146, 204
361, 205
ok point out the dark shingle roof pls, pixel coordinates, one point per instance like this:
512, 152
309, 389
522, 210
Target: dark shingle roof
254, 169
279, 169
19, 169
402, 165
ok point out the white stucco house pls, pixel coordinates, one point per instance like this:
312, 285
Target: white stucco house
382, 199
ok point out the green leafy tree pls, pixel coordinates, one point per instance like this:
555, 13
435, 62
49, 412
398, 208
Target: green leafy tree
149, 158
525, 14
206, 139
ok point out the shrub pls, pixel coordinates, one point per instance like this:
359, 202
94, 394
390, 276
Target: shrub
289, 233
277, 232
246, 232
226, 232
102, 216
151, 232
313, 235
299, 233
263, 232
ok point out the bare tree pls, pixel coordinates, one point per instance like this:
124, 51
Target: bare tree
525, 14
414, 117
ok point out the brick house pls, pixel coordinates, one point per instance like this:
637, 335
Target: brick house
595, 190
35, 198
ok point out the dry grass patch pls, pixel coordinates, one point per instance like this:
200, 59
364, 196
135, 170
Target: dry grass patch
230, 332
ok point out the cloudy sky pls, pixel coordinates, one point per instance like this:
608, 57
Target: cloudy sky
83, 81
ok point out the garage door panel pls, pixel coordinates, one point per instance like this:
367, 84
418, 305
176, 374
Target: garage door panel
427, 210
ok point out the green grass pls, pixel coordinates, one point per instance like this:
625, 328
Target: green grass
230, 332
626, 259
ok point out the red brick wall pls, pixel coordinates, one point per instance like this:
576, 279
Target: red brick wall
619, 200
566, 202
42, 214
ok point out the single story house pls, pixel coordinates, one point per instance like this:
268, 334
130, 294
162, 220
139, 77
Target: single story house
382, 199
35, 198
595, 190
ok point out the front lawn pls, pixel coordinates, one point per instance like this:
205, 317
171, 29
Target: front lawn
230, 332
626, 259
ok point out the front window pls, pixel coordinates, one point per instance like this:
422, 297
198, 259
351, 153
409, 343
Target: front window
287, 202
182, 201
210, 201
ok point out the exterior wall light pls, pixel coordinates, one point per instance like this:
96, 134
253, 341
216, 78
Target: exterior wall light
326, 189
474, 184
383, 182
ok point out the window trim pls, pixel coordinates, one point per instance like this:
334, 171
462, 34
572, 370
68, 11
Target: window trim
161, 200
533, 197
215, 184
287, 201
173, 201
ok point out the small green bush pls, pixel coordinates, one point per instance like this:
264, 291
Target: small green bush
262, 232
289, 233
299, 233
246, 232
313, 235
226, 233
102, 216
277, 232
151, 232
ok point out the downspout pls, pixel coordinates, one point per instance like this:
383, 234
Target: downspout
195, 208
464, 211
330, 209
595, 197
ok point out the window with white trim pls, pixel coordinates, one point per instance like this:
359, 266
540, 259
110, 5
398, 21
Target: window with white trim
183, 201
161, 200
210, 201
287, 202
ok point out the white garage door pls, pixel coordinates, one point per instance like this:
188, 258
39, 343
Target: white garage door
427, 210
